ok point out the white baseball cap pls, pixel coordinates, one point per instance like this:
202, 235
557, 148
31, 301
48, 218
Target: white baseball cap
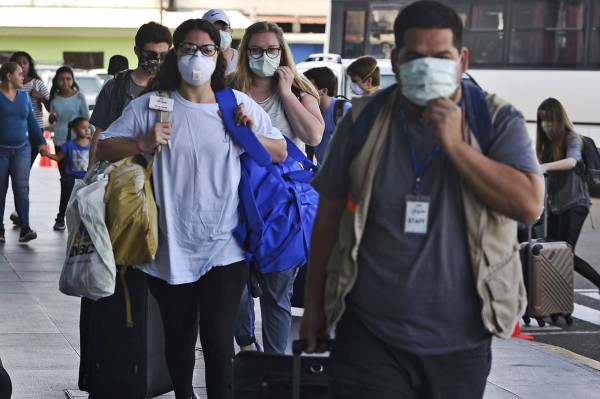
215, 15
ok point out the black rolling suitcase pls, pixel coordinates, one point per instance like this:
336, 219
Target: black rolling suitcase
548, 268
259, 375
5, 383
120, 361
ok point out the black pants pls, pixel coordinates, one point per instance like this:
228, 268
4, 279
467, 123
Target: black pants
65, 186
566, 226
210, 303
363, 366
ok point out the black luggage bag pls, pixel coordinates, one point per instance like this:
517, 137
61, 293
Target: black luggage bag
120, 361
258, 375
5, 383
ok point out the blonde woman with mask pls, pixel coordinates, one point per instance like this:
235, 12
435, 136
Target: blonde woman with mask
267, 73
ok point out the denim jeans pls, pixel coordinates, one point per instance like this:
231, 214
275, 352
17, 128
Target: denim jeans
276, 312
363, 366
15, 163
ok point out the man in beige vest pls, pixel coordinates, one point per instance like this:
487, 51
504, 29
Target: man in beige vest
414, 259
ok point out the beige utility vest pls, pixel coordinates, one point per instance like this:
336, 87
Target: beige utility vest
492, 237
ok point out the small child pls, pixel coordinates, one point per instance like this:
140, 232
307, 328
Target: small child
77, 153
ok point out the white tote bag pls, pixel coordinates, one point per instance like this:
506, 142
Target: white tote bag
89, 270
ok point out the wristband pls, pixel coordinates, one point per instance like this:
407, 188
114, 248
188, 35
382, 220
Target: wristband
138, 147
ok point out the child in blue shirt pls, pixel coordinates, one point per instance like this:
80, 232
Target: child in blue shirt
76, 152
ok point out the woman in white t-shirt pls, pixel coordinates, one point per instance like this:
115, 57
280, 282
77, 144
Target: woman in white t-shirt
199, 267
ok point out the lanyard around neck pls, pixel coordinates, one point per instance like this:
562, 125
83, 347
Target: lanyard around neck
417, 169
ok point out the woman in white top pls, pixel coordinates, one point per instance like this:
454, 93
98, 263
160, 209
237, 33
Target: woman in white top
199, 268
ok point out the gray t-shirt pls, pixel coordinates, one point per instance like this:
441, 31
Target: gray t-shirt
101, 115
567, 188
274, 107
417, 292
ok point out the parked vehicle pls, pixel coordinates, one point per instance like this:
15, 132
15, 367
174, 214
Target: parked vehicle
339, 66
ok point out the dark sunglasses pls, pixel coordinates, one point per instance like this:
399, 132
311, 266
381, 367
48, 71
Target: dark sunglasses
153, 55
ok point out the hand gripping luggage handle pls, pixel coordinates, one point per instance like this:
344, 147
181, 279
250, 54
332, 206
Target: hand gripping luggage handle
242, 134
299, 346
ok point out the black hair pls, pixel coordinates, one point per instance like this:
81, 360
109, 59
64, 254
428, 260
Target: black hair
168, 76
63, 69
428, 14
117, 63
323, 78
32, 73
75, 122
152, 32
9, 67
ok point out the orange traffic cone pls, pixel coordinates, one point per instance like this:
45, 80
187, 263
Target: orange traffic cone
46, 162
518, 334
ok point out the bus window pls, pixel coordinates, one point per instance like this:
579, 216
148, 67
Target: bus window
594, 50
547, 33
381, 29
484, 32
354, 33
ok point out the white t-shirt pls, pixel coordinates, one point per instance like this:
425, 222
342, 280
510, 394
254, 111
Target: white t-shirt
37, 104
233, 63
196, 177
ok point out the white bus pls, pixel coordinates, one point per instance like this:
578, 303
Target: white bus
523, 50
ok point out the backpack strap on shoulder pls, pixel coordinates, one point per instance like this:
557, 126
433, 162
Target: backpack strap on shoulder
242, 134
478, 115
364, 111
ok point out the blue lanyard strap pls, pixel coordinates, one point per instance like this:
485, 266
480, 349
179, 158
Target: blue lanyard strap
417, 169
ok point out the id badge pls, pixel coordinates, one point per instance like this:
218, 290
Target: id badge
417, 214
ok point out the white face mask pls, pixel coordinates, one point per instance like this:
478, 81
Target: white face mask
356, 89
225, 40
546, 125
264, 66
425, 79
196, 69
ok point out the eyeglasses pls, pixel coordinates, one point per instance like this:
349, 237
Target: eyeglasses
190, 48
153, 55
257, 52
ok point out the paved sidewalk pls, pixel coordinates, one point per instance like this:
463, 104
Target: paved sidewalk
39, 339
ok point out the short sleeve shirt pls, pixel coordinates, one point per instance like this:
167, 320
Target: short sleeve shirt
78, 158
417, 292
37, 104
329, 117
101, 116
274, 107
196, 177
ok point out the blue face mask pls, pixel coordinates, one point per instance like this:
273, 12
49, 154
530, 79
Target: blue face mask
425, 79
264, 66
225, 40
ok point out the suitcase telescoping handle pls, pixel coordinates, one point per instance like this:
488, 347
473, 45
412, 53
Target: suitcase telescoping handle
299, 346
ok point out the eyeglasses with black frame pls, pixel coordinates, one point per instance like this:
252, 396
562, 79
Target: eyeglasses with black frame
208, 50
153, 55
257, 52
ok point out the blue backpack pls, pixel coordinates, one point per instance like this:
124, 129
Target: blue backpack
278, 205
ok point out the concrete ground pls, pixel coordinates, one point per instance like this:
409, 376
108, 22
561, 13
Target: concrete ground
39, 338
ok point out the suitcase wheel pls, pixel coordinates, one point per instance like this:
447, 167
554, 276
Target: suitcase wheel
541, 321
526, 320
554, 318
569, 319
